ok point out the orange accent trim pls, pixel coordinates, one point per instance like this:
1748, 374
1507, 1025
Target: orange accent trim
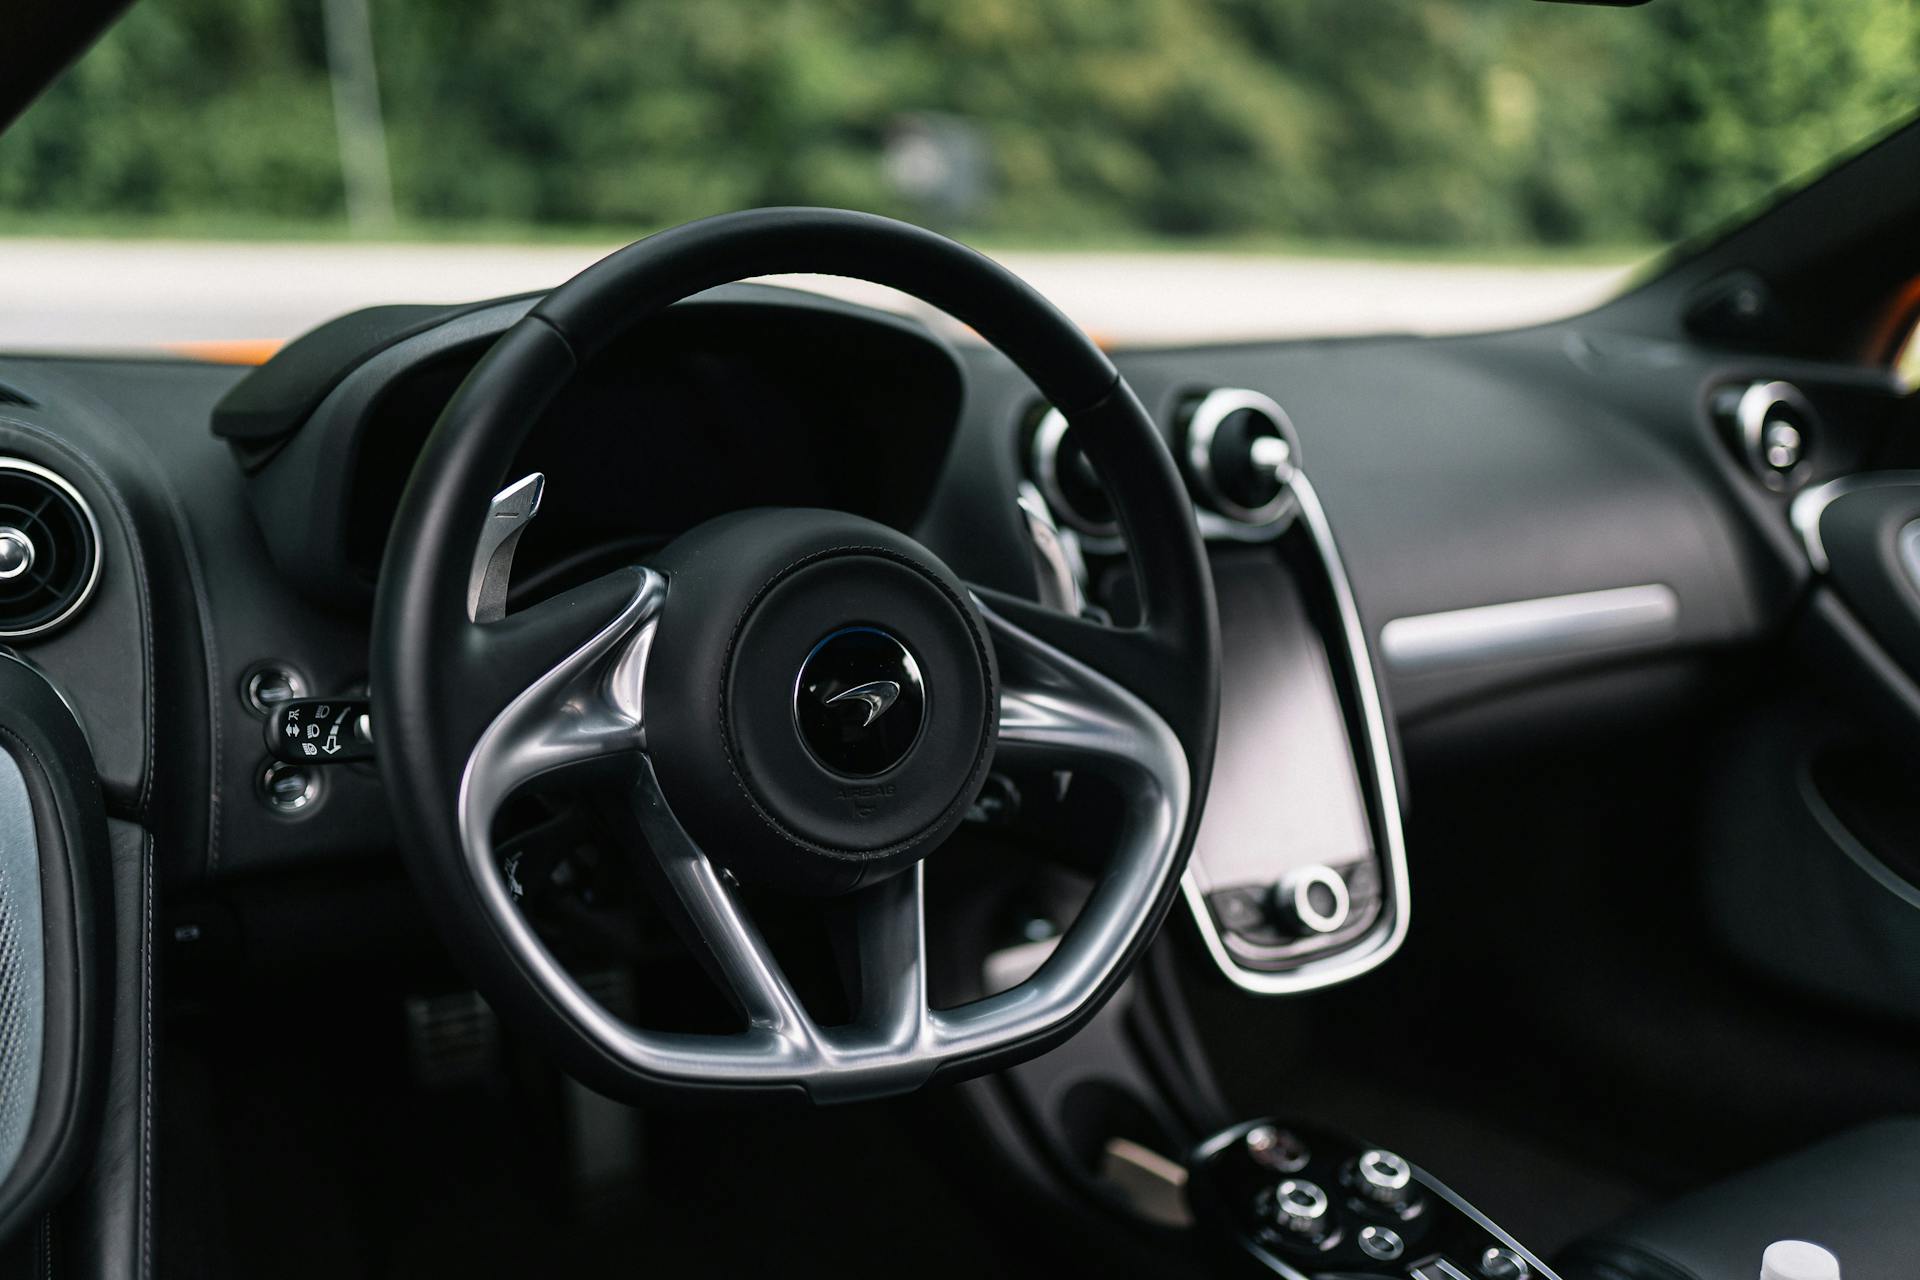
1897, 322
251, 351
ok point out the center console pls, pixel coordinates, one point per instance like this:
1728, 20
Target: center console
1298, 877
1299, 873
1277, 1197
1298, 881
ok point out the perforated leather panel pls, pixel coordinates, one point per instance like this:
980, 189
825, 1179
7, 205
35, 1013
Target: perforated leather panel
22, 965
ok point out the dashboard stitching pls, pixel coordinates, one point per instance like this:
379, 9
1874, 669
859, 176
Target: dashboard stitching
138, 561
146, 1059
726, 665
204, 608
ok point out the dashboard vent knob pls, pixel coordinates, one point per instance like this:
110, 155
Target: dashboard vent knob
49, 550
1241, 453
1772, 427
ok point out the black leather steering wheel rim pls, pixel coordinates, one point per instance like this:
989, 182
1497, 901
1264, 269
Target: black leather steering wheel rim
437, 683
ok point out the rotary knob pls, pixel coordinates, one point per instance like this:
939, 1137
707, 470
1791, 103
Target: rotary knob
1300, 1206
1311, 900
16, 553
1276, 1148
1383, 1177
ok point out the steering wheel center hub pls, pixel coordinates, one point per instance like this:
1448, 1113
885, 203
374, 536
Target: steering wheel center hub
832, 673
859, 702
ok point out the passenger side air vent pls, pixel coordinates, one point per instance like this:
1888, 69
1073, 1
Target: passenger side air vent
49, 550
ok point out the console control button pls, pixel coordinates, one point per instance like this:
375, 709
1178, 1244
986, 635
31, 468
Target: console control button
288, 788
1504, 1264
1383, 1176
1382, 1244
1312, 900
1300, 1206
1281, 1150
1240, 911
267, 687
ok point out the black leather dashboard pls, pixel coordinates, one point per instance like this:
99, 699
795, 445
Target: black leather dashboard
1456, 473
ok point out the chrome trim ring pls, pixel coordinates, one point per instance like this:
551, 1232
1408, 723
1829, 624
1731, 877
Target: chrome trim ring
1300, 885
85, 593
1384, 1173
1378, 943
1054, 711
1750, 422
1044, 461
1299, 1204
309, 792
1382, 1244
1203, 424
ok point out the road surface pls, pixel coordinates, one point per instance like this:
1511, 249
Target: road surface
103, 295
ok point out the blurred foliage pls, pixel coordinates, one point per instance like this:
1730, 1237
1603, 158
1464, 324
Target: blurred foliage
1437, 122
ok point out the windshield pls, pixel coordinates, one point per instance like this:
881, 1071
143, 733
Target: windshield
235, 171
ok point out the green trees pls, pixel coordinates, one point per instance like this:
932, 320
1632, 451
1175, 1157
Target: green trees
1429, 122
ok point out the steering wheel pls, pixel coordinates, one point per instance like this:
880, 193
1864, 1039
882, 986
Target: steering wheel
794, 698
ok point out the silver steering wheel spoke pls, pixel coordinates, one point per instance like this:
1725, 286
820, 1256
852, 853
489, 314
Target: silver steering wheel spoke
583, 708
1056, 710
890, 934
731, 944
1056, 713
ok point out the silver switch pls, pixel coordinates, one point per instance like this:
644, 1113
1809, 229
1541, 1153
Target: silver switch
507, 517
1384, 1176
1300, 1205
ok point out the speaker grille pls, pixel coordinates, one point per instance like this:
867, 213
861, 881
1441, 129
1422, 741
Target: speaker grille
49, 549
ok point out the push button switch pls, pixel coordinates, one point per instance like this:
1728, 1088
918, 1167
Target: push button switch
1499, 1263
270, 686
1301, 1207
1382, 1244
288, 788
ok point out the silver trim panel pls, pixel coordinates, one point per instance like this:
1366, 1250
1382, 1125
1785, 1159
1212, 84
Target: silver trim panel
1374, 947
1547, 627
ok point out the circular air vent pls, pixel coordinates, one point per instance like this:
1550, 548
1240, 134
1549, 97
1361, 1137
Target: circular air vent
1241, 453
49, 550
1069, 483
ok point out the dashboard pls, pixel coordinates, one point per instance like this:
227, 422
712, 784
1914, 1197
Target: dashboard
1491, 523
